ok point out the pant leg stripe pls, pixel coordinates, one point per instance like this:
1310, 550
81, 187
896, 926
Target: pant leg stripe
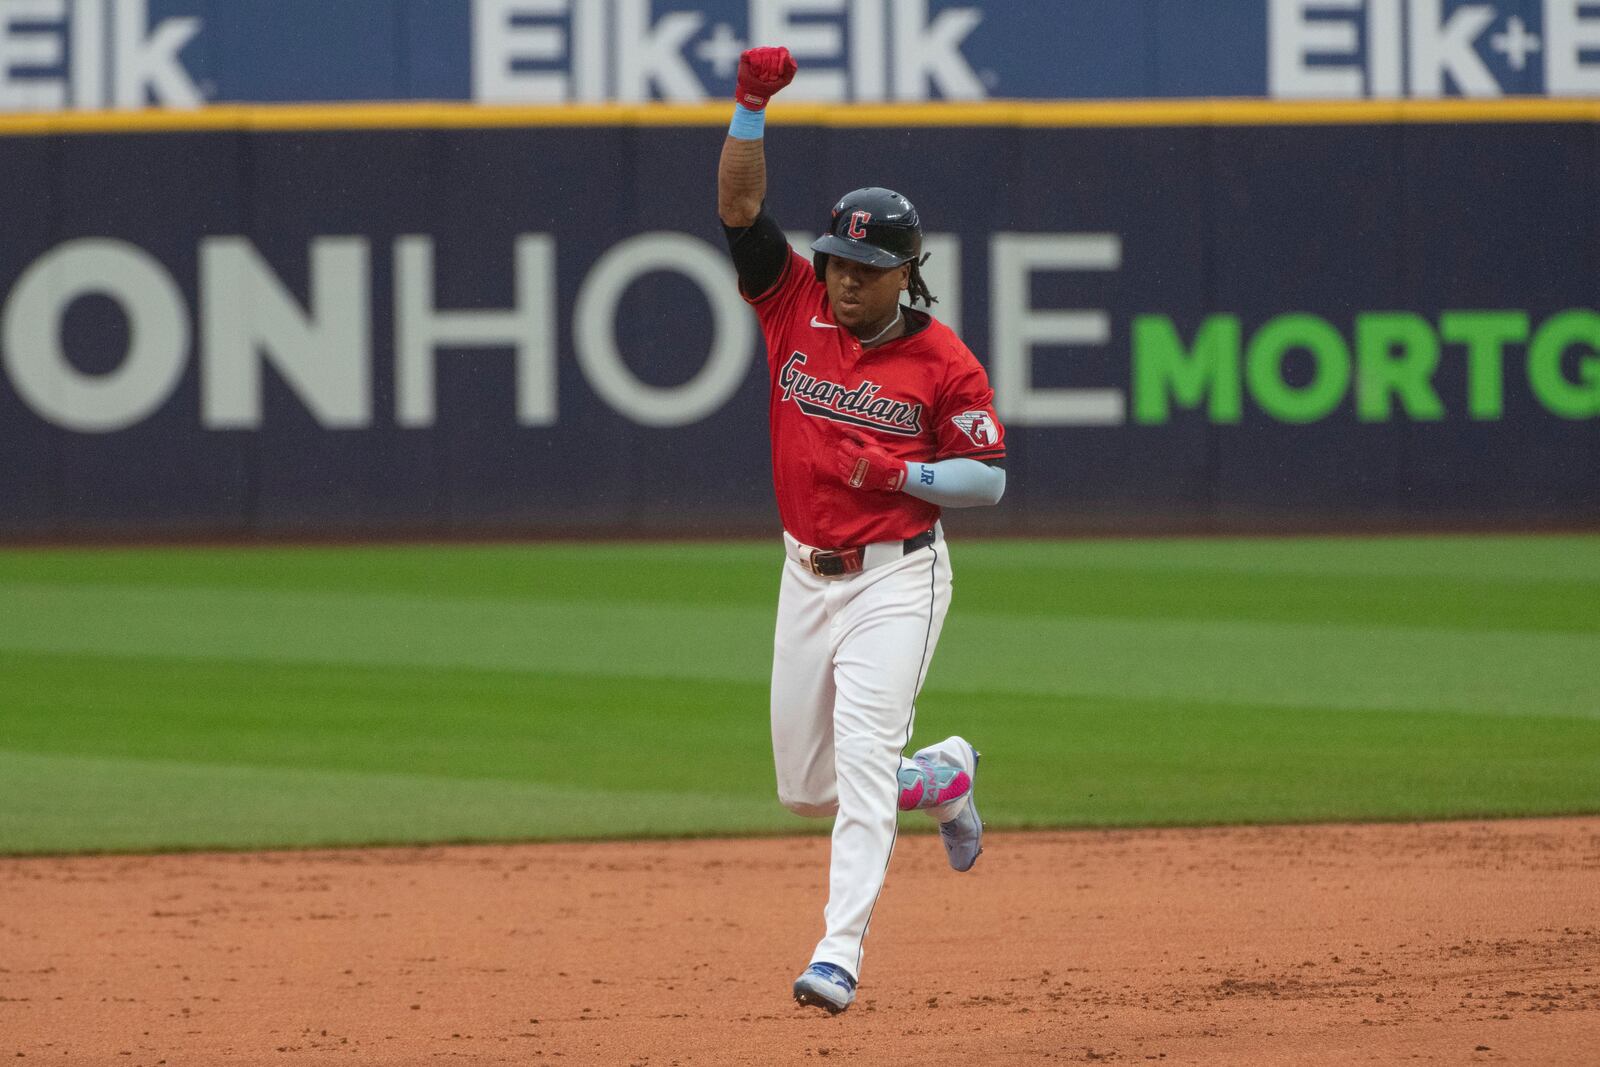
911, 716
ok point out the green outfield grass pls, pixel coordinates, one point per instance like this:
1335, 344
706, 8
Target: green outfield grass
174, 698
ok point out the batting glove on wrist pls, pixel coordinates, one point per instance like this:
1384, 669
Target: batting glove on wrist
762, 72
865, 465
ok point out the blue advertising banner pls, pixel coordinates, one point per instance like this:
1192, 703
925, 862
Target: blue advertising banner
92, 54
472, 331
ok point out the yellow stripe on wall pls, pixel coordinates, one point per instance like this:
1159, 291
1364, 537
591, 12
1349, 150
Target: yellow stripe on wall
991, 113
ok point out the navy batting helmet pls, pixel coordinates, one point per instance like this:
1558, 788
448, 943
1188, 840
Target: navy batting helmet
875, 226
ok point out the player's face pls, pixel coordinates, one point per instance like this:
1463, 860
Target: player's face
864, 296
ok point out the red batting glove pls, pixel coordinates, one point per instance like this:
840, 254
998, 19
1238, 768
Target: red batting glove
865, 465
762, 72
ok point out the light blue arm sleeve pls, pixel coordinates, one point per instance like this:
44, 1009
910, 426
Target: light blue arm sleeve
956, 483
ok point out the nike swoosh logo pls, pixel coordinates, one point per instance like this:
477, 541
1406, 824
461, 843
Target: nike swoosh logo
822, 325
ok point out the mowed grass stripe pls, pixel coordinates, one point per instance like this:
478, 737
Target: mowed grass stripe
715, 573
706, 641
1447, 582
54, 803
1283, 665
1112, 762
1354, 667
1517, 560
1432, 603
649, 735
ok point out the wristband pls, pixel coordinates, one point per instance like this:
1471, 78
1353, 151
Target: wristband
747, 125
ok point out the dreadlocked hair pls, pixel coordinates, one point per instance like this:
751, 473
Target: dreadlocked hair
917, 287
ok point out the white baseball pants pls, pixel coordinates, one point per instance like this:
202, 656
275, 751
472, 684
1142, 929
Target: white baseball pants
849, 658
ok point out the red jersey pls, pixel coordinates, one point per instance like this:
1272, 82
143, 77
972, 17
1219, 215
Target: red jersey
922, 397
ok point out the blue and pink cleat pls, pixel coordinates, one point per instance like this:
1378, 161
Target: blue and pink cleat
826, 986
940, 781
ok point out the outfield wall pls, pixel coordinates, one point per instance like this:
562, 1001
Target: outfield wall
90, 54
1213, 320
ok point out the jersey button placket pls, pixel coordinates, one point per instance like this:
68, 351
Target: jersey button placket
850, 348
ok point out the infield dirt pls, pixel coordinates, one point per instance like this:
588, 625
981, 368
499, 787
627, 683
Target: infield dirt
1451, 943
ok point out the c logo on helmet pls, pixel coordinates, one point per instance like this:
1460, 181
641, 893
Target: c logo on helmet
858, 224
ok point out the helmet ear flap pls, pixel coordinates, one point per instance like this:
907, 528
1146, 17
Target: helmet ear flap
819, 263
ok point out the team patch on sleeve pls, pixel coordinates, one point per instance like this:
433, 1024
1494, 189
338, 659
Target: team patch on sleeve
978, 427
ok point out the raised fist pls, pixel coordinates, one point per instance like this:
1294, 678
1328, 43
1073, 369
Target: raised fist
762, 72
865, 465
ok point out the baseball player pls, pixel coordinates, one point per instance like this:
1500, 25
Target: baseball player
880, 417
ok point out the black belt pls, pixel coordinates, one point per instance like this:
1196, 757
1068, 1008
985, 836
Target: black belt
921, 540
849, 560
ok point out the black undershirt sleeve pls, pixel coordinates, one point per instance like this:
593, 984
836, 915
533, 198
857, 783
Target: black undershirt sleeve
759, 252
